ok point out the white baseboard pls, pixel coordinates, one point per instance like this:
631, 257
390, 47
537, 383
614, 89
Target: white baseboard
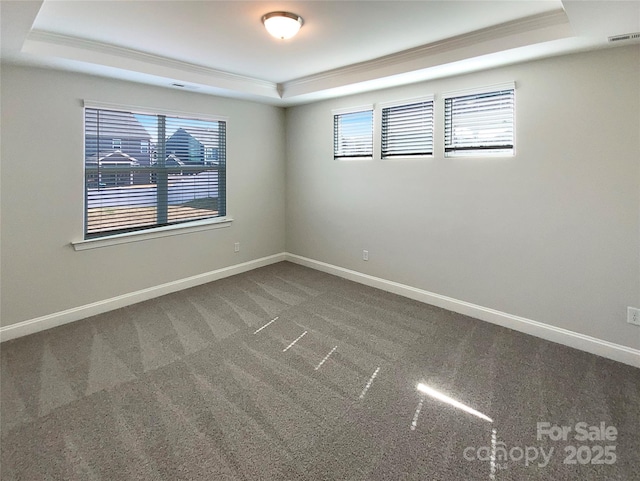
566, 337
573, 339
38, 324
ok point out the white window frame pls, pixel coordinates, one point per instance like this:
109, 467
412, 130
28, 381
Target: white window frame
155, 232
480, 152
399, 103
354, 110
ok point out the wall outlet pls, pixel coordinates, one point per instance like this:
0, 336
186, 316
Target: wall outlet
236, 247
365, 255
633, 316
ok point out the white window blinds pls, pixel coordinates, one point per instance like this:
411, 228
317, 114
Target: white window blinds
148, 170
353, 134
480, 123
407, 129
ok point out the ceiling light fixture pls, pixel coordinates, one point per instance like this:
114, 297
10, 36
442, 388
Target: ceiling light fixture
282, 25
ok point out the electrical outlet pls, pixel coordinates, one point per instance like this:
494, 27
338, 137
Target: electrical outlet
365, 255
236, 247
633, 316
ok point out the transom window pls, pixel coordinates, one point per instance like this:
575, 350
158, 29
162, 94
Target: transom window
353, 134
167, 170
480, 123
407, 129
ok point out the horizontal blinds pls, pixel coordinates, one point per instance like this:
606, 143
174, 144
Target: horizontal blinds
353, 134
482, 122
144, 171
407, 130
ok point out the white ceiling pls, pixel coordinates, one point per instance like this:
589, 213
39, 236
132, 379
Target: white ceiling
221, 47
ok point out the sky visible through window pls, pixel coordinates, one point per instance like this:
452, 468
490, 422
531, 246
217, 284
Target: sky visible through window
353, 119
353, 134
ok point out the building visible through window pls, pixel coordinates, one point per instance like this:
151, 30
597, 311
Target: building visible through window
147, 170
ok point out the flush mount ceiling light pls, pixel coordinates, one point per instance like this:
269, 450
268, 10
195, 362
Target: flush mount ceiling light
282, 25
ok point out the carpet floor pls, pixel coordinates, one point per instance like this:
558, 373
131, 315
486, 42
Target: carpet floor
286, 373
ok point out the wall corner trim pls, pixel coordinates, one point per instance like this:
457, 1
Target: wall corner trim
32, 326
610, 350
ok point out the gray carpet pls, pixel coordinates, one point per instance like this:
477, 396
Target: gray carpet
205, 384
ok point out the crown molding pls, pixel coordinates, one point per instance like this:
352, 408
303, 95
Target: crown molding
517, 33
522, 32
73, 48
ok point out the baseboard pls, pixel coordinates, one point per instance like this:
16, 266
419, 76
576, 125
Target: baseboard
32, 326
566, 337
610, 350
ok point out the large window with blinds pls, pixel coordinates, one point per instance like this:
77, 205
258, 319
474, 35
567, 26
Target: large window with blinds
353, 134
480, 123
144, 170
407, 129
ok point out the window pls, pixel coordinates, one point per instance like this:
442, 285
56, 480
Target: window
480, 123
136, 188
407, 129
353, 134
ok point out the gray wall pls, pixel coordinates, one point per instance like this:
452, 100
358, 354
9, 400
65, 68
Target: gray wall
42, 194
552, 234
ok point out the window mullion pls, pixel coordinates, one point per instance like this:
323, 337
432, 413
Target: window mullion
162, 185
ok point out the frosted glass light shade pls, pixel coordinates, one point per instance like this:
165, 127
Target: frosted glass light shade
282, 25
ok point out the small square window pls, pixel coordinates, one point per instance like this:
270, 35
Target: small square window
353, 134
480, 123
407, 129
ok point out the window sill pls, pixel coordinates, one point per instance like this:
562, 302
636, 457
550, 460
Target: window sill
478, 154
351, 159
407, 157
143, 235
